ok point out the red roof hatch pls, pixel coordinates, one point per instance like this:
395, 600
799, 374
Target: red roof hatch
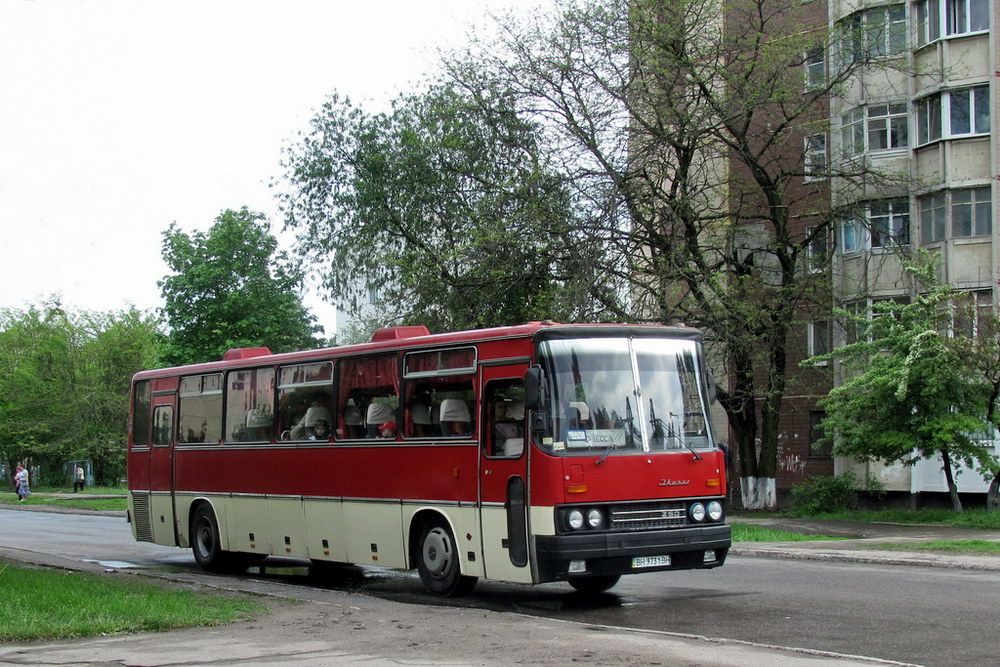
245, 353
396, 333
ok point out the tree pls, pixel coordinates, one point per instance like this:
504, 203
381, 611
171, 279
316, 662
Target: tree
231, 288
65, 379
678, 126
441, 207
912, 394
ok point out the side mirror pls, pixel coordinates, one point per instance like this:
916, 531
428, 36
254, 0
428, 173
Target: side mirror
533, 388
713, 390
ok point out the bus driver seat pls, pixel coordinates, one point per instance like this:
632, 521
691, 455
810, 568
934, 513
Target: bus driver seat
455, 419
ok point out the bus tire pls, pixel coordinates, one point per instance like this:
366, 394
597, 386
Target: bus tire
438, 561
205, 541
594, 584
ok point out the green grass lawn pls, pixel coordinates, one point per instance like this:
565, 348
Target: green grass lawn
954, 547
43, 498
746, 533
40, 603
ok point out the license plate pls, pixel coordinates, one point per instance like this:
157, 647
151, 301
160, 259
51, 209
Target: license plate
650, 561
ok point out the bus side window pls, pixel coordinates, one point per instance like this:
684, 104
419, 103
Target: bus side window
368, 396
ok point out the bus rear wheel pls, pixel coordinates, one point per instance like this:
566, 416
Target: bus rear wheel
438, 561
205, 541
594, 584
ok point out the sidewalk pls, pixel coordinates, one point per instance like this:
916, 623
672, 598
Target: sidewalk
856, 547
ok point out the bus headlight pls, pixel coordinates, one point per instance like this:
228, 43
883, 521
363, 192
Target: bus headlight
595, 518
574, 519
697, 512
715, 510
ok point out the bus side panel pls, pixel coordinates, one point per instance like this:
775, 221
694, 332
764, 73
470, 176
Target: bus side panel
373, 533
287, 527
248, 525
325, 529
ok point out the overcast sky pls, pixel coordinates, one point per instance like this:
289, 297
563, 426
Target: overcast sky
118, 117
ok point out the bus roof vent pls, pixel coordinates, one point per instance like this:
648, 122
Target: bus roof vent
395, 333
245, 353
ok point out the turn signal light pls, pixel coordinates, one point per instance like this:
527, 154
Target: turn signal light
576, 488
715, 481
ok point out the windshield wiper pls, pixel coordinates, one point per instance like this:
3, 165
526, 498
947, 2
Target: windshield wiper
629, 436
676, 434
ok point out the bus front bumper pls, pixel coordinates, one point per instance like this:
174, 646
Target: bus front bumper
560, 557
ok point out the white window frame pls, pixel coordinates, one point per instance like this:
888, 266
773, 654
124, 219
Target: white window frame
894, 223
936, 115
814, 162
859, 125
936, 19
819, 339
814, 63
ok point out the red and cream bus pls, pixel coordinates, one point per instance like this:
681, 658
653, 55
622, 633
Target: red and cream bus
532, 453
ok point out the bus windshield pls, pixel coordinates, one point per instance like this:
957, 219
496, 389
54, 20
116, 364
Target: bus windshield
623, 396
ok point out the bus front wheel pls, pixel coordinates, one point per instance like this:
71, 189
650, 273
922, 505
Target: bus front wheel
438, 561
205, 541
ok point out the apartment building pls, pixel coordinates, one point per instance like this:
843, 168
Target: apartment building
925, 118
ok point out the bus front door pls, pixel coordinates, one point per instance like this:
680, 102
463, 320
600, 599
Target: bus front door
161, 478
503, 488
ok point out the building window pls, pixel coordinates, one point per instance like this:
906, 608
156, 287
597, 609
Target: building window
953, 113
815, 68
966, 16
889, 222
871, 33
971, 212
855, 324
973, 314
818, 446
819, 338
878, 127
818, 248
959, 16
887, 127
970, 110
932, 217
852, 235
852, 131
814, 159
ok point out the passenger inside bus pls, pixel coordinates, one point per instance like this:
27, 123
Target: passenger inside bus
387, 430
509, 429
420, 418
320, 430
455, 419
353, 423
378, 413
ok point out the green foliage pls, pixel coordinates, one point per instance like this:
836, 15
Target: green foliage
231, 288
64, 383
911, 392
441, 206
820, 495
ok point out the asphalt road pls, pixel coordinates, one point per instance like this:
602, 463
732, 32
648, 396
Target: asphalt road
932, 616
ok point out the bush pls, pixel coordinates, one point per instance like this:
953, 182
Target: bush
820, 495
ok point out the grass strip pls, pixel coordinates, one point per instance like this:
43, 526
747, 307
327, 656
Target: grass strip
99, 504
961, 547
39, 603
748, 533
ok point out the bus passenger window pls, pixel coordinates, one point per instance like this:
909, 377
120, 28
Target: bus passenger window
440, 393
367, 395
201, 409
249, 405
305, 402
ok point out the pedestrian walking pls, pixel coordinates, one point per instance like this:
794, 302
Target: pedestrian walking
21, 484
79, 480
